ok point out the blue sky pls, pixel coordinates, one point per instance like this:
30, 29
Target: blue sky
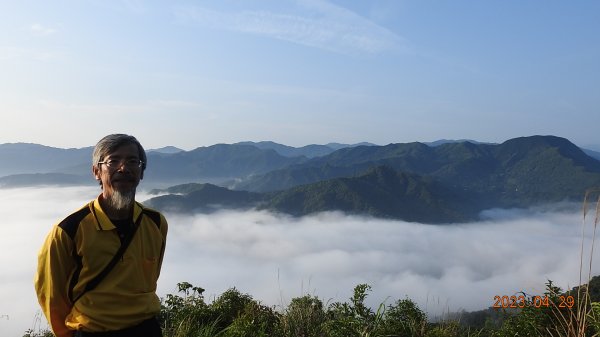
196, 73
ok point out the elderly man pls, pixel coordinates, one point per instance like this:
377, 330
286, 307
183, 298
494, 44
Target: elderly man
98, 268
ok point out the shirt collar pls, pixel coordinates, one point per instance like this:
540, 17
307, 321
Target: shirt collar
102, 220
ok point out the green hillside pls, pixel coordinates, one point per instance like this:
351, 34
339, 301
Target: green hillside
381, 192
448, 183
518, 173
202, 198
216, 161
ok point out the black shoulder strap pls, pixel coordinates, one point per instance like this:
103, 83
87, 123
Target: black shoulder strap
124, 244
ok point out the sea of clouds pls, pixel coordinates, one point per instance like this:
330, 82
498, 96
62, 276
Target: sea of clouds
275, 258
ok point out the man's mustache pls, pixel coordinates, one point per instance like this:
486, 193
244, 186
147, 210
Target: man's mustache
124, 177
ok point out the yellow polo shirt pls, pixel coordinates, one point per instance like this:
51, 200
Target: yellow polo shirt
77, 249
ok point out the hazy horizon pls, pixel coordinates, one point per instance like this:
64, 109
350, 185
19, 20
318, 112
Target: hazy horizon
275, 258
589, 146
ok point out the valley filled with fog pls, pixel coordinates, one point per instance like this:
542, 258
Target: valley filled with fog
275, 257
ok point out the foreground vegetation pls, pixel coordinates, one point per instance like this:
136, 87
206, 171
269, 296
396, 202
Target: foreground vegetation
235, 314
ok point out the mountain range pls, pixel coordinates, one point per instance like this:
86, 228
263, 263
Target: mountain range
440, 182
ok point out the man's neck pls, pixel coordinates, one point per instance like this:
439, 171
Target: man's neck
120, 214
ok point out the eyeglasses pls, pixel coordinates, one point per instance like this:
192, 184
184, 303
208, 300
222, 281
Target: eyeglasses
116, 163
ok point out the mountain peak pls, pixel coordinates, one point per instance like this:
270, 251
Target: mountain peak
167, 149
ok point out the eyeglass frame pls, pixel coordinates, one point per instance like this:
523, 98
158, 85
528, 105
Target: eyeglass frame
123, 162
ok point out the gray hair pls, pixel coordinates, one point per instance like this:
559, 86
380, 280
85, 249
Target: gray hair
111, 143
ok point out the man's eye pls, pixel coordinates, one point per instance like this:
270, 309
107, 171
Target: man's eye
112, 162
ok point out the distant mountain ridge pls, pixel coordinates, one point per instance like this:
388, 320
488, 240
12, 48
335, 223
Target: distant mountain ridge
167, 165
21, 158
592, 153
538, 165
309, 151
381, 192
446, 141
41, 179
166, 149
219, 162
446, 182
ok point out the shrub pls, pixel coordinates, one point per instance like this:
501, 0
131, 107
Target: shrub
304, 317
404, 319
354, 318
254, 320
185, 315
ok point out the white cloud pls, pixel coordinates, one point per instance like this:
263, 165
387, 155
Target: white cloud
40, 30
464, 265
9, 53
275, 258
323, 25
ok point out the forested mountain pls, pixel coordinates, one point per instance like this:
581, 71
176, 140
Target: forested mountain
519, 172
451, 181
21, 158
206, 198
217, 162
381, 192
309, 151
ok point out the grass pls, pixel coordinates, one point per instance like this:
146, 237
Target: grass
577, 321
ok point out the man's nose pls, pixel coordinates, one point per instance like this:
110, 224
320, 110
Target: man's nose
123, 167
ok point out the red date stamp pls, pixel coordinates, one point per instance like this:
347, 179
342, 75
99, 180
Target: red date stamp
535, 301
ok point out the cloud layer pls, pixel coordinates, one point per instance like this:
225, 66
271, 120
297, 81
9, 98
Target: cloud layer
275, 258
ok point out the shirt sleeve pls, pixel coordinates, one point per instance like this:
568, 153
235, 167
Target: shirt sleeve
55, 266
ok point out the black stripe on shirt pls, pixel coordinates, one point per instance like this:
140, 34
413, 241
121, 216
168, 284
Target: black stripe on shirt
71, 223
153, 215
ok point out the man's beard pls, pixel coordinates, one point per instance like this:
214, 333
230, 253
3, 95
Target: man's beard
121, 200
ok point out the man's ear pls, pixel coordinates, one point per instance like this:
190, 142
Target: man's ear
96, 172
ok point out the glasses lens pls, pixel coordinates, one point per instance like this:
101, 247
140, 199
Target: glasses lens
129, 163
133, 163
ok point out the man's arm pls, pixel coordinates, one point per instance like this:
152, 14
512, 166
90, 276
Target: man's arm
55, 265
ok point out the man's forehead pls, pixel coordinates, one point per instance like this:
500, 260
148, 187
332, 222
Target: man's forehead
125, 150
